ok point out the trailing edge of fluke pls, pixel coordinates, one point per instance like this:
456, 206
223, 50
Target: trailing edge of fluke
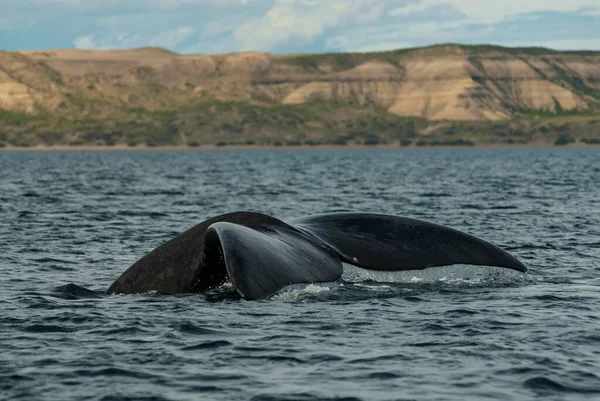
260, 254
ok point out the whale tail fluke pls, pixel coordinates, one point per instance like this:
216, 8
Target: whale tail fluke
262, 260
391, 243
260, 254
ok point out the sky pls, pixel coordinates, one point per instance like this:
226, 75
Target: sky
296, 26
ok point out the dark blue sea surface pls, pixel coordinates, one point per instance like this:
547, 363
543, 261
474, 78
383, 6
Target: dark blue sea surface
459, 332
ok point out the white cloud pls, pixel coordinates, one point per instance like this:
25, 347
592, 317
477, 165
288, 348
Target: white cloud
408, 30
171, 38
157, 3
569, 44
304, 20
168, 39
213, 28
411, 8
374, 44
125, 40
490, 11
593, 11
85, 42
391, 36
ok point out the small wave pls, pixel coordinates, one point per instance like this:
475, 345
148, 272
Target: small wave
47, 328
25, 213
189, 328
376, 359
472, 206
382, 376
131, 213
544, 384
137, 397
436, 195
73, 291
325, 358
531, 246
113, 372
207, 345
412, 298
300, 397
163, 192
281, 359
123, 331
52, 260
549, 297
282, 337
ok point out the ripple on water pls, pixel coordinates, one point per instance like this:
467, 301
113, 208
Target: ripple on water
547, 386
208, 345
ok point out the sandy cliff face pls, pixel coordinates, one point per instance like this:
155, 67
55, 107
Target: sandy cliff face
14, 95
439, 83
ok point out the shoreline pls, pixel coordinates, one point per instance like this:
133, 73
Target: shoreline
101, 148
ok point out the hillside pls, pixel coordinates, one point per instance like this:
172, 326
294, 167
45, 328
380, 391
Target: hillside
439, 94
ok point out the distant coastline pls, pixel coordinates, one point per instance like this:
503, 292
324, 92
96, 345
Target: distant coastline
448, 94
533, 145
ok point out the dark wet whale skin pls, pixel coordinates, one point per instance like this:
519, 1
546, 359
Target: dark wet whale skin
261, 254
176, 266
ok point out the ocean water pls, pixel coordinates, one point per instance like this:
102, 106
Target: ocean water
458, 332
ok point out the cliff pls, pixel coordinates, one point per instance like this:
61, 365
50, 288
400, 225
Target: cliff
155, 96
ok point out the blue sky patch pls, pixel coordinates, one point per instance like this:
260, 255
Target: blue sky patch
295, 26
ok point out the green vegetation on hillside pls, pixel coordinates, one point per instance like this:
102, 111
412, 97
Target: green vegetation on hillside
226, 102
240, 123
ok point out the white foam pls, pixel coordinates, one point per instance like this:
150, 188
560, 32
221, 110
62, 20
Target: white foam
456, 274
299, 292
